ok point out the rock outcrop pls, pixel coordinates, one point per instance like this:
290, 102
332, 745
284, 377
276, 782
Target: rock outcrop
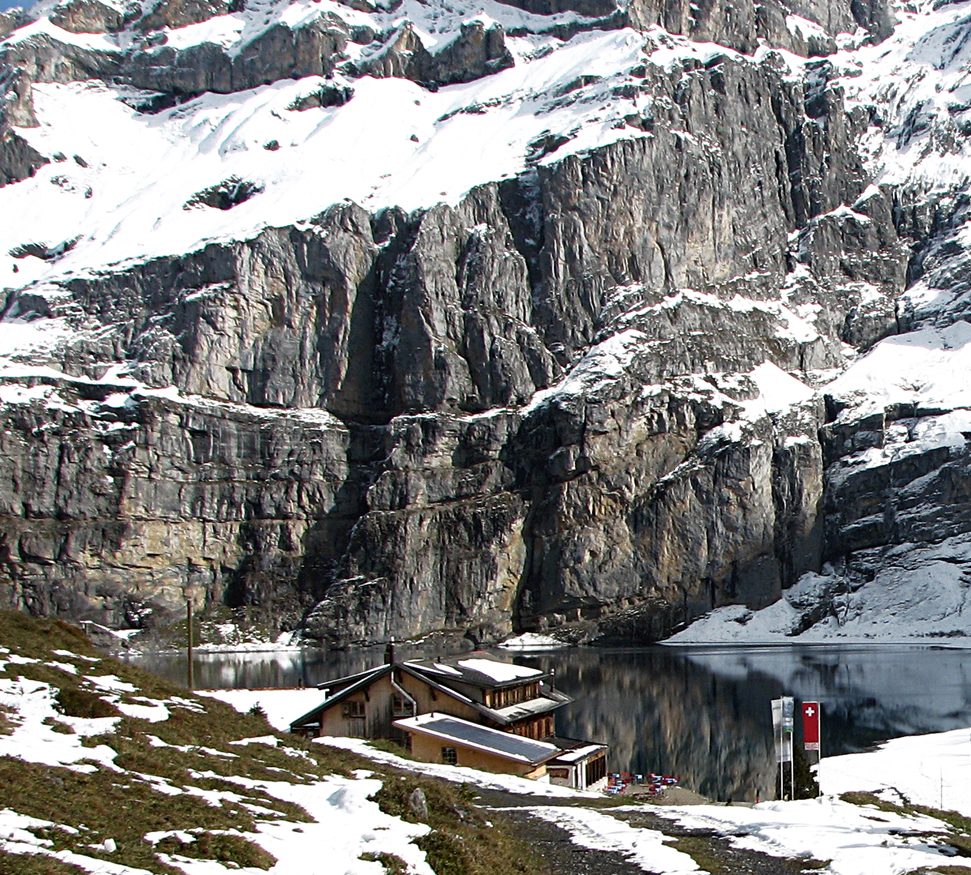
86, 16
18, 159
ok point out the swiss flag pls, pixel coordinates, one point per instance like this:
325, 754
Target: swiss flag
810, 725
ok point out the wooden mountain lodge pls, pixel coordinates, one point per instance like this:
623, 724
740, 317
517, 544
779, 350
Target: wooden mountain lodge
473, 690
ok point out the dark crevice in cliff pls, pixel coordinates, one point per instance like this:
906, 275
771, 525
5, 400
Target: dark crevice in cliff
522, 205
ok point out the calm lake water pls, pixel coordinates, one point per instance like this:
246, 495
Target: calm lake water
700, 714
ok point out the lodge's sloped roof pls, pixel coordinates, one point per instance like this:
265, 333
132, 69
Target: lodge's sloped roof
494, 741
478, 670
440, 675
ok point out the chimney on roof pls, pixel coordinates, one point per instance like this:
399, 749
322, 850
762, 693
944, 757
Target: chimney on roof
389, 657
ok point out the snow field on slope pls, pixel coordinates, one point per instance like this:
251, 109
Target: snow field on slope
932, 770
920, 70
393, 144
346, 824
927, 368
856, 840
435, 23
345, 821
281, 707
918, 595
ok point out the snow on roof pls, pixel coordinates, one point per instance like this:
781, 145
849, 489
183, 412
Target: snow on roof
458, 731
580, 753
491, 780
446, 669
501, 672
540, 705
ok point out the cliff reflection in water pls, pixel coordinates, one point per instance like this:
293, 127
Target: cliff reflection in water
661, 712
700, 714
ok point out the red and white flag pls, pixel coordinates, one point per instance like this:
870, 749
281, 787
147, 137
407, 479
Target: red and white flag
810, 725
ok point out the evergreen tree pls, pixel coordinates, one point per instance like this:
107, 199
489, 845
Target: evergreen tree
806, 785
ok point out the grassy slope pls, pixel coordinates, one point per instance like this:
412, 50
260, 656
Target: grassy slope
186, 754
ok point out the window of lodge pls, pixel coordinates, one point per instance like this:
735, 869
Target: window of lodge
511, 695
449, 756
353, 709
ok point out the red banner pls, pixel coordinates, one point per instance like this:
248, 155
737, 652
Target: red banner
810, 725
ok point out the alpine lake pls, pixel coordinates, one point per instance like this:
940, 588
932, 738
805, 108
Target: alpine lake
701, 714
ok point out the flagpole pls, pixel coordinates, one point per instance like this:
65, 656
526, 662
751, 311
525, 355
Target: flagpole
792, 765
819, 755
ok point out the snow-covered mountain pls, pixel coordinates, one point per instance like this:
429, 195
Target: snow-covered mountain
390, 318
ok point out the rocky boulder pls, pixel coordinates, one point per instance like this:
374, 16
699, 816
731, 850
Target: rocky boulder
87, 16
179, 13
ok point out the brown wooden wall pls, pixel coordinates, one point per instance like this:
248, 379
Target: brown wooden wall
378, 713
429, 750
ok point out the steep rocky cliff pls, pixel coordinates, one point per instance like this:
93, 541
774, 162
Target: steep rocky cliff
386, 320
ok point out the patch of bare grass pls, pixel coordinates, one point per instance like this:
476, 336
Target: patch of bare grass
35, 864
77, 702
958, 836
8, 721
393, 864
717, 857
36, 638
461, 842
222, 847
58, 726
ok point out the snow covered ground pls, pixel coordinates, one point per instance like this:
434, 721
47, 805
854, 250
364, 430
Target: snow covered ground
919, 595
856, 840
281, 707
932, 770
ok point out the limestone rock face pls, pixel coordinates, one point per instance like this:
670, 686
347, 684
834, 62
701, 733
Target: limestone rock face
132, 506
589, 390
737, 25
43, 58
18, 160
11, 19
636, 490
475, 52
